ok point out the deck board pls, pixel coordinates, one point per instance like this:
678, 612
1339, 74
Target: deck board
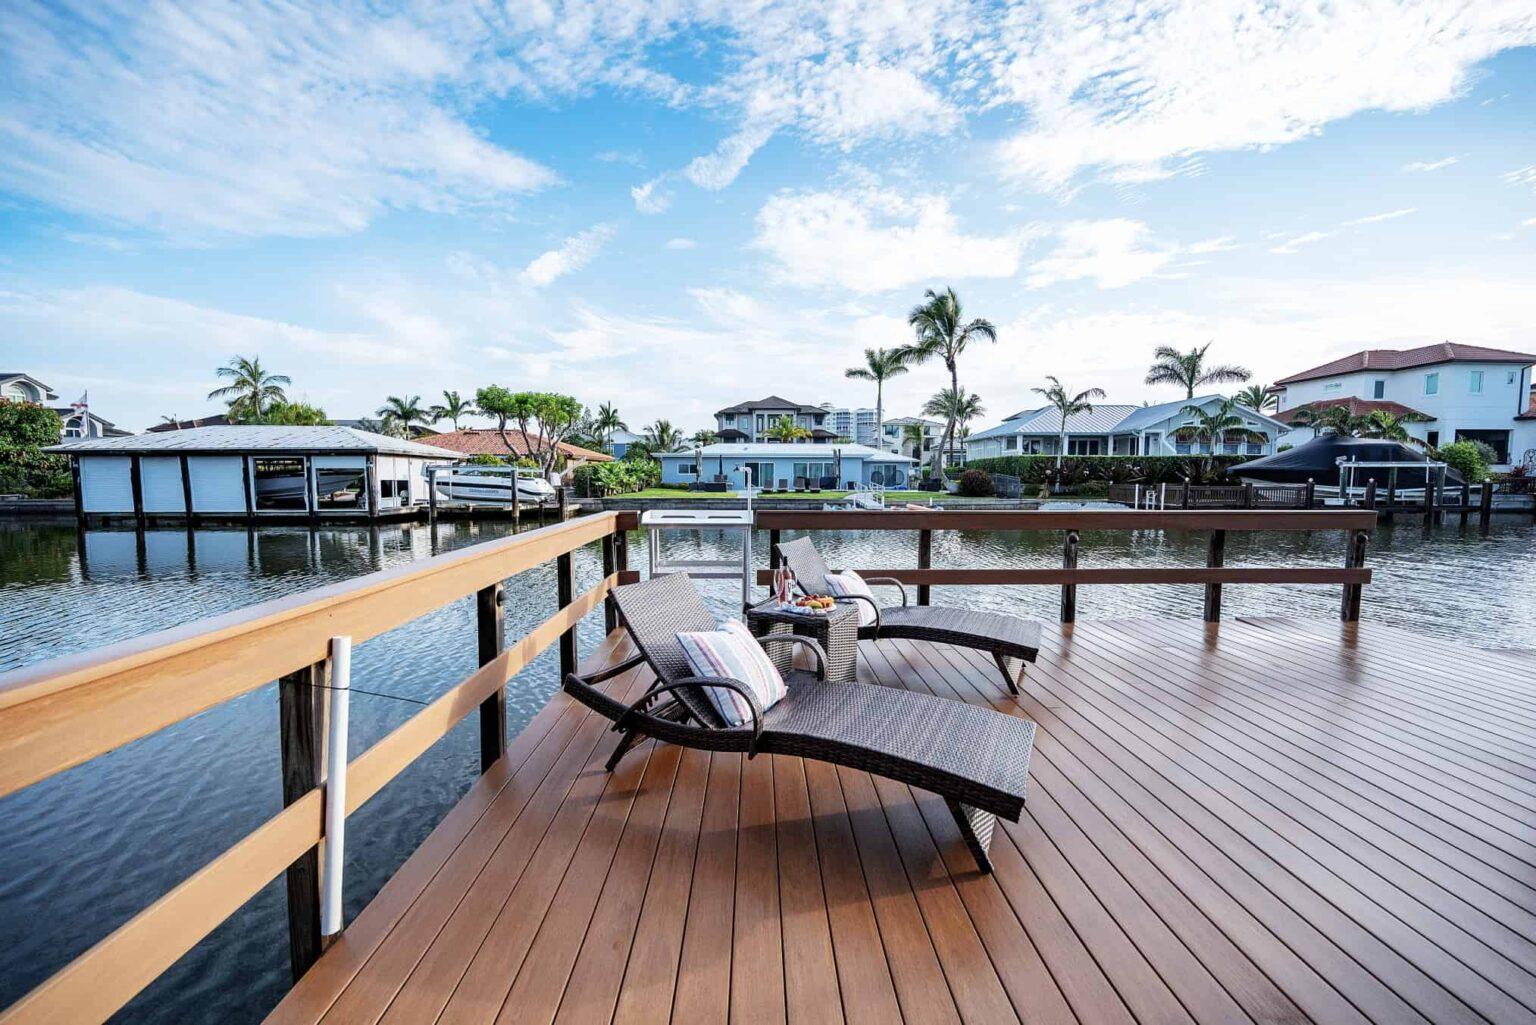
1267, 821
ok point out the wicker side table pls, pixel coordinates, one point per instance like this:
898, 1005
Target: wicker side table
837, 632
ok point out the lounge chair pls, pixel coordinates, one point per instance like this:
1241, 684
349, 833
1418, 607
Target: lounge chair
976, 758
1010, 640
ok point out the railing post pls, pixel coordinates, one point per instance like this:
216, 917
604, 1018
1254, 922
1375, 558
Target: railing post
610, 610
1248, 496
1429, 498
1370, 493
621, 549
1311, 492
1466, 501
1354, 558
773, 555
1391, 487
301, 725
1069, 591
1215, 556
924, 561
565, 592
489, 602
1485, 506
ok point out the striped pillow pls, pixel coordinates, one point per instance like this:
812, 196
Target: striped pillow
849, 584
734, 654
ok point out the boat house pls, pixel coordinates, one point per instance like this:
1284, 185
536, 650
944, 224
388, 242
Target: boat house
781, 464
257, 473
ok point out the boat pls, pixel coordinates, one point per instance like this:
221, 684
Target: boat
474, 484
293, 486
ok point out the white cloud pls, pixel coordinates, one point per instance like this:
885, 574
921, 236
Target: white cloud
1113, 253
651, 197
681, 243
1132, 88
1522, 176
1293, 243
873, 240
571, 255
1429, 165
1390, 215
718, 169
1306, 238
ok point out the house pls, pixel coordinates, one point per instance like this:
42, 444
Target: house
1119, 430
250, 472
896, 440
749, 421
1467, 392
765, 464
77, 419
488, 441
619, 442
856, 425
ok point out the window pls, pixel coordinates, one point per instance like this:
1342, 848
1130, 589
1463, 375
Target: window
1012, 444
1379, 390
1432, 384
1255, 448
1496, 440
1083, 446
345, 488
1152, 443
1333, 386
1432, 439
1509, 378
688, 469
813, 471
1475, 382
727, 419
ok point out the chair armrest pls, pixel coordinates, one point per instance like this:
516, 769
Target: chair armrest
892, 582
805, 642
610, 672
638, 707
868, 601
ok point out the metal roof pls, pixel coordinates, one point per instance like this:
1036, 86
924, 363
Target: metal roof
1105, 419
792, 450
254, 438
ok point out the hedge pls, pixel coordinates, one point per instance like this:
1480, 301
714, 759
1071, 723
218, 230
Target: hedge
36, 474
594, 480
1077, 470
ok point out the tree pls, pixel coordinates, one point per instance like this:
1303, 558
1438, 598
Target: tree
250, 389
293, 414
1378, 423
704, 436
407, 413
1067, 406
963, 408
505, 405
555, 417
1214, 426
943, 333
453, 409
1258, 398
785, 429
880, 365
661, 437
917, 435
26, 425
1188, 369
606, 422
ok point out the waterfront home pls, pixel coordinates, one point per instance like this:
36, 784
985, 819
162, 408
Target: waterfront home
1119, 430
77, 419
619, 442
750, 421
1466, 392
766, 464
250, 472
896, 439
487, 441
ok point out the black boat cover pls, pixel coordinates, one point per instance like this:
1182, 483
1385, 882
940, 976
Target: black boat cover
1317, 460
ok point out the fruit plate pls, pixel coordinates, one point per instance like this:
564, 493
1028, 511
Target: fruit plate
801, 610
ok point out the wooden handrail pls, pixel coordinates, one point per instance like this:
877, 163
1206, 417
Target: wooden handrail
1069, 519
1118, 575
60, 713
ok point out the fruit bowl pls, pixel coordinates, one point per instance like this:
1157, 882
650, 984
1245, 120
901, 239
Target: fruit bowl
813, 604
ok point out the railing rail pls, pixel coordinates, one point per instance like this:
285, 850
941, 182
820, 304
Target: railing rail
61, 713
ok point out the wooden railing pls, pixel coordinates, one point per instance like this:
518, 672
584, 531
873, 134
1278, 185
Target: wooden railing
1356, 524
61, 713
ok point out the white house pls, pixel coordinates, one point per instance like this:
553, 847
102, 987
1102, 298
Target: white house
78, 420
1119, 430
765, 464
1468, 392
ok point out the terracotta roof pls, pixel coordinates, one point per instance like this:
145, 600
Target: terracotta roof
488, 441
1404, 359
1357, 407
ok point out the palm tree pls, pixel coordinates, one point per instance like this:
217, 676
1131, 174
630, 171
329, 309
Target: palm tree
606, 422
1068, 406
880, 365
453, 409
1379, 423
405, 413
704, 436
943, 333
250, 389
1214, 427
1334, 419
1188, 369
962, 408
1257, 397
661, 437
916, 435
786, 430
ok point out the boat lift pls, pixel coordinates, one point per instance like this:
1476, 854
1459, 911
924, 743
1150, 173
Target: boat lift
740, 521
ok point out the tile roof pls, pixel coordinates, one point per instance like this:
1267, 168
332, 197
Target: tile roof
255, 438
1405, 359
488, 441
771, 402
1357, 407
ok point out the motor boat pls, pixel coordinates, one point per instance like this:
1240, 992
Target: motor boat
476, 484
293, 486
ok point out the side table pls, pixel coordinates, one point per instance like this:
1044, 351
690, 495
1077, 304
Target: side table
837, 632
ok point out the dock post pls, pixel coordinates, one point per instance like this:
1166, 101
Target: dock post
561, 504
621, 549
491, 631
1215, 557
1069, 591
565, 593
1466, 501
610, 611
1392, 487
1370, 493
924, 561
1311, 492
1354, 558
301, 697
1429, 498
1485, 506
1185, 503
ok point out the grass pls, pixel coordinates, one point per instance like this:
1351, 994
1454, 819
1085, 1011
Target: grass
816, 496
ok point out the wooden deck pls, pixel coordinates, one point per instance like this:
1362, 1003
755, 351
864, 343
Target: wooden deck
1265, 821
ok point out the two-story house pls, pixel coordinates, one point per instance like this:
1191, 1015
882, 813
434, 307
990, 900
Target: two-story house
78, 421
1122, 430
750, 421
1466, 392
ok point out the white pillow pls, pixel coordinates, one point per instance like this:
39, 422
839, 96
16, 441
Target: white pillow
734, 654
849, 584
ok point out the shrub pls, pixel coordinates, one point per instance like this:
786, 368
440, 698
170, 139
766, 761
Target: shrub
1114, 469
594, 480
976, 484
1466, 459
27, 425
485, 459
27, 471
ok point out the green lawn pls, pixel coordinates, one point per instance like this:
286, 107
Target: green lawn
816, 496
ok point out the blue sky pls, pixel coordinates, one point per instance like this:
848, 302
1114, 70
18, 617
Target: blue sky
675, 206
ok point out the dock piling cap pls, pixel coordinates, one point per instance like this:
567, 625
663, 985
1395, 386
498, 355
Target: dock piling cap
696, 518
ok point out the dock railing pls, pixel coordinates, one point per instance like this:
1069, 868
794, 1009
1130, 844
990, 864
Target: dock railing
64, 712
1071, 524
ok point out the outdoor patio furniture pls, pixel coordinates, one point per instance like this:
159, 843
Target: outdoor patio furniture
1010, 640
828, 483
800, 484
837, 632
976, 758
783, 484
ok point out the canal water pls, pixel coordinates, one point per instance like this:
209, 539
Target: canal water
82, 852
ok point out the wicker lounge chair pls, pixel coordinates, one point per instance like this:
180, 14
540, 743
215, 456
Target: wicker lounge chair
1010, 640
976, 758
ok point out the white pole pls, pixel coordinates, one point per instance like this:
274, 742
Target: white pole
335, 786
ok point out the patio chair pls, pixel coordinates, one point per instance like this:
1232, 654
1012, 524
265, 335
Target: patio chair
1010, 640
800, 484
976, 758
